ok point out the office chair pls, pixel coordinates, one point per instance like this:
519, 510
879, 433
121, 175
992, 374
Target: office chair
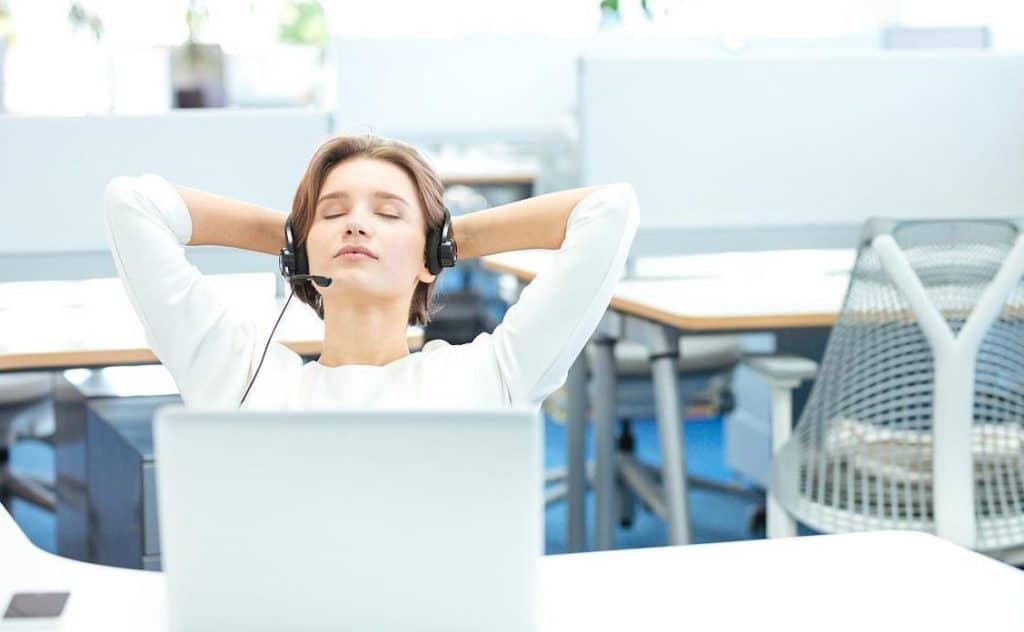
704, 369
21, 394
916, 419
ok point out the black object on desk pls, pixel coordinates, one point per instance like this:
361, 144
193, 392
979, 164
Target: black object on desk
36, 607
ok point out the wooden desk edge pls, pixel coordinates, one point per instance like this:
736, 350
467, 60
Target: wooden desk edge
95, 359
758, 322
467, 179
495, 266
729, 323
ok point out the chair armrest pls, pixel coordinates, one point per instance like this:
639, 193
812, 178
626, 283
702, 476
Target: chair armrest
783, 371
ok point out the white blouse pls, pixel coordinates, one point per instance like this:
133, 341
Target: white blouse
212, 351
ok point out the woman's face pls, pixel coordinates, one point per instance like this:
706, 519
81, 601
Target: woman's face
372, 204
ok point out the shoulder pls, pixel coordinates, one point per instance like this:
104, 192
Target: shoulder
442, 349
148, 194
127, 189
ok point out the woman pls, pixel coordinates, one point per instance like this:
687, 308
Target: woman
379, 197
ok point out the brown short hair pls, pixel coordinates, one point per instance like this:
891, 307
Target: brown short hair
428, 186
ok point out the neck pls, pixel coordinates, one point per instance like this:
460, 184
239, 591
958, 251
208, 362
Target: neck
367, 334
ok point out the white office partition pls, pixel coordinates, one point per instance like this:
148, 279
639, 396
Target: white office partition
470, 87
53, 171
797, 150
962, 37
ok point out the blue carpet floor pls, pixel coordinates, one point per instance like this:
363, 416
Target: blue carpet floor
715, 517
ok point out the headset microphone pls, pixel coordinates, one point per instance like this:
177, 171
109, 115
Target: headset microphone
322, 281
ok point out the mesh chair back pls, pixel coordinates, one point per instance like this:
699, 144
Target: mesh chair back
861, 455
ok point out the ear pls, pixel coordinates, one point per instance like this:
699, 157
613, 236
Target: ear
425, 276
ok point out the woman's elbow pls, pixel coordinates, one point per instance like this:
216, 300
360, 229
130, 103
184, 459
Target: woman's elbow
623, 198
119, 193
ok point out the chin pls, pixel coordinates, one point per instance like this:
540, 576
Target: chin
347, 283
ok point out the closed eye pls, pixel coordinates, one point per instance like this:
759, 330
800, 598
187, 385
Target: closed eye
381, 214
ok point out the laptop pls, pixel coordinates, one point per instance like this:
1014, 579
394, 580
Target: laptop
342, 520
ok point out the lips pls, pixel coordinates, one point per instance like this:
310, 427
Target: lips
355, 250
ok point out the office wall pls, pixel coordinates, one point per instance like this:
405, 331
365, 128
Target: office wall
798, 149
495, 85
53, 171
460, 87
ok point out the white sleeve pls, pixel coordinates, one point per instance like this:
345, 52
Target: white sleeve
544, 331
206, 349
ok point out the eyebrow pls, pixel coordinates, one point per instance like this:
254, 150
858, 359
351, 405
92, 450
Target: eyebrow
342, 195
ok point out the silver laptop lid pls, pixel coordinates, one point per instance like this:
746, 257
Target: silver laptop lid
369, 520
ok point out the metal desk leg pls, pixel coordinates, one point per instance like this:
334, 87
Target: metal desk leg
664, 345
575, 457
603, 365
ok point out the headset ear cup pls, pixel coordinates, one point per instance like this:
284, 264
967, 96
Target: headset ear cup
447, 249
432, 254
292, 259
449, 254
297, 258
301, 263
286, 260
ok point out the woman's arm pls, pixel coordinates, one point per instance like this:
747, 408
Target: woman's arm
536, 223
221, 221
543, 332
207, 347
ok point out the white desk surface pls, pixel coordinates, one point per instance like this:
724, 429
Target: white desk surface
727, 303
721, 292
866, 581
92, 323
744, 264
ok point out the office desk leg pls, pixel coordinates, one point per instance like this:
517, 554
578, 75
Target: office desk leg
604, 409
664, 346
575, 427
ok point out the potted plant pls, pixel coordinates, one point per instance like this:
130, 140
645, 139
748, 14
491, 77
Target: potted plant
611, 16
287, 68
82, 19
303, 23
303, 30
197, 68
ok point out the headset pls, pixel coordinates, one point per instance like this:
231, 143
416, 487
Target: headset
441, 252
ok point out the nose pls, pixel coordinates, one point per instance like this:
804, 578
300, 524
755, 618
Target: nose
355, 227
356, 224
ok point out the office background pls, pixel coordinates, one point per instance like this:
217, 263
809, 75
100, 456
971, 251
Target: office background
510, 100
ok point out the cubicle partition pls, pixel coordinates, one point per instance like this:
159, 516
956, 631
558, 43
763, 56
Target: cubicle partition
54, 170
749, 152
468, 88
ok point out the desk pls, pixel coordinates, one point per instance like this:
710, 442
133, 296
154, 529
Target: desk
517, 177
746, 264
84, 324
733, 291
728, 292
499, 179
883, 580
